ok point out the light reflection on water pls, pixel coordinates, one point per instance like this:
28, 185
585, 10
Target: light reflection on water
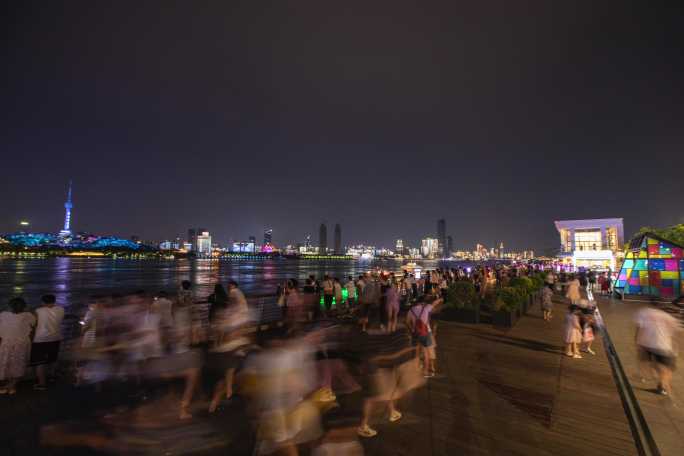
73, 280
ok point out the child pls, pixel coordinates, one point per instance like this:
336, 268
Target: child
573, 333
588, 333
547, 305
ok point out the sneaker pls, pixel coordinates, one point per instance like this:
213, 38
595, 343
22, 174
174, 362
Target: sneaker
661, 391
366, 431
577, 356
591, 351
395, 416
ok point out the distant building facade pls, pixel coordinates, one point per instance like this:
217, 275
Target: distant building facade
338, 239
204, 247
592, 243
323, 239
429, 248
441, 237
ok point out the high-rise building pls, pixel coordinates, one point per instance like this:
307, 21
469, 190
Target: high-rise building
399, 248
441, 237
192, 238
66, 231
338, 239
501, 250
323, 240
429, 248
268, 236
203, 244
450, 246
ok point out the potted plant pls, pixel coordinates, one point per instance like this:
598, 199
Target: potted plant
506, 307
462, 303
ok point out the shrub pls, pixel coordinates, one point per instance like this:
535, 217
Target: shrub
509, 299
461, 295
524, 284
538, 281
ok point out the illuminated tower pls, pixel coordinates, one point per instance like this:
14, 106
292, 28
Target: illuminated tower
67, 216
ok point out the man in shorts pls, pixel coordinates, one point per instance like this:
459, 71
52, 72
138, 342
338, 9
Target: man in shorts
655, 331
48, 336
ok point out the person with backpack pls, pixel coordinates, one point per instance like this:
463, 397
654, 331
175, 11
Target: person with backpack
418, 323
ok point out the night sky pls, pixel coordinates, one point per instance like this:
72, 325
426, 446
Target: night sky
383, 116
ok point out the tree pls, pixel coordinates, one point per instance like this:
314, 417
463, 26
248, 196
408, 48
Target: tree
673, 233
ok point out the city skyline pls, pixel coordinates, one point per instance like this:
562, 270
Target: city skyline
410, 118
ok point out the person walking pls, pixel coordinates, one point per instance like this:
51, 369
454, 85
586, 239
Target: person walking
573, 332
328, 292
351, 292
337, 291
15, 344
547, 303
47, 338
587, 322
655, 338
573, 291
418, 322
392, 306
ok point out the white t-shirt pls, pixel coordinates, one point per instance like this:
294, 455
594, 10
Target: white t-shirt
16, 327
49, 326
656, 330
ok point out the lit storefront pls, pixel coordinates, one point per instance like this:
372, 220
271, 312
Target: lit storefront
590, 244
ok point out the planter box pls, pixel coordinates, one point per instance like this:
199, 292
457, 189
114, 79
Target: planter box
505, 319
461, 315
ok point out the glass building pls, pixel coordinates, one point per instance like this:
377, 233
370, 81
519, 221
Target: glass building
591, 244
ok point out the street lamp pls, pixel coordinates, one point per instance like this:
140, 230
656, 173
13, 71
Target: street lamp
24, 223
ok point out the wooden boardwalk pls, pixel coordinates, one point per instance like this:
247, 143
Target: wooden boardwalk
498, 393
511, 393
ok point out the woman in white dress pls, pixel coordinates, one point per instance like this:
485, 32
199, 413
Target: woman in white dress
16, 326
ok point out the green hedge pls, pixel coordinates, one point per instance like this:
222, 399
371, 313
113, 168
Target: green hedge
462, 295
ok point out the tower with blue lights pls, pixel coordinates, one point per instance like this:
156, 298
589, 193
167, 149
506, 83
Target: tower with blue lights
67, 216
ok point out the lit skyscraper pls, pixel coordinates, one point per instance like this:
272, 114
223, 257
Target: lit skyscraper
268, 236
429, 248
323, 240
204, 244
441, 237
338, 239
67, 216
399, 247
450, 246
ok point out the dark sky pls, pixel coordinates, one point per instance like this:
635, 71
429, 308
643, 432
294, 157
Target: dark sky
384, 116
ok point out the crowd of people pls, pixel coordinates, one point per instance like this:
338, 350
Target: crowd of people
376, 338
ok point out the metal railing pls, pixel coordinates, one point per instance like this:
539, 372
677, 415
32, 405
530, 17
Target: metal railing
643, 439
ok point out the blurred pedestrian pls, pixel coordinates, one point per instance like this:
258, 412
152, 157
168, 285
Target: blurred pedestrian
47, 338
655, 331
15, 344
573, 332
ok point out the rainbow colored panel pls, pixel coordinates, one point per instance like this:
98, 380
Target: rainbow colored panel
657, 265
677, 252
653, 249
667, 291
628, 264
641, 265
669, 274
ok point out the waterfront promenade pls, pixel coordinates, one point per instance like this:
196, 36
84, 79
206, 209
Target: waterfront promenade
664, 415
498, 392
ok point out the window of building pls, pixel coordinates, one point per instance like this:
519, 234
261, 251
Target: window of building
588, 239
